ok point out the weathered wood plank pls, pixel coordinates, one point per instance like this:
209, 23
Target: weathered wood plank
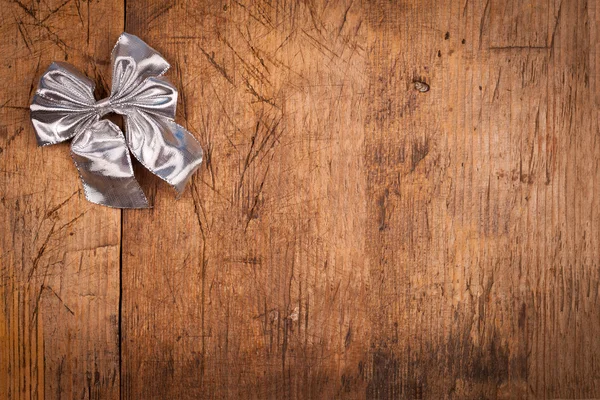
252, 285
59, 255
352, 236
486, 253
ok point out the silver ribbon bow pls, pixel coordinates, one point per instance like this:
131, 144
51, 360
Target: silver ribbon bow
64, 107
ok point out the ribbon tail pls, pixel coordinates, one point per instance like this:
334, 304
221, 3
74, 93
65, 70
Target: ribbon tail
165, 148
100, 154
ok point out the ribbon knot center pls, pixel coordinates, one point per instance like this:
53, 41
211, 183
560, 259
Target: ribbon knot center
103, 106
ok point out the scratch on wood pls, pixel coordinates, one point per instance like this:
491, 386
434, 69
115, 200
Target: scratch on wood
218, 67
555, 28
54, 11
254, 17
40, 253
485, 14
23, 36
496, 88
34, 76
259, 96
161, 12
345, 17
60, 205
61, 300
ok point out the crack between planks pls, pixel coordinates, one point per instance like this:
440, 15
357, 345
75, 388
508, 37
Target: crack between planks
120, 310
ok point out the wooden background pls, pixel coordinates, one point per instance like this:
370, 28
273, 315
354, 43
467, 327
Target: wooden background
348, 236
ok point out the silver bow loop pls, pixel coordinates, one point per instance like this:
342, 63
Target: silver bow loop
63, 104
64, 107
133, 62
138, 79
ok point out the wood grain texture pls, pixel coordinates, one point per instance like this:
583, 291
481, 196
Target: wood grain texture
59, 254
399, 200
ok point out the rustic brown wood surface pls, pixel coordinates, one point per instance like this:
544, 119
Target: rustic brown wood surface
400, 199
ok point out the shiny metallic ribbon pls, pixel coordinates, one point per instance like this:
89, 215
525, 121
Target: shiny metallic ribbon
64, 107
